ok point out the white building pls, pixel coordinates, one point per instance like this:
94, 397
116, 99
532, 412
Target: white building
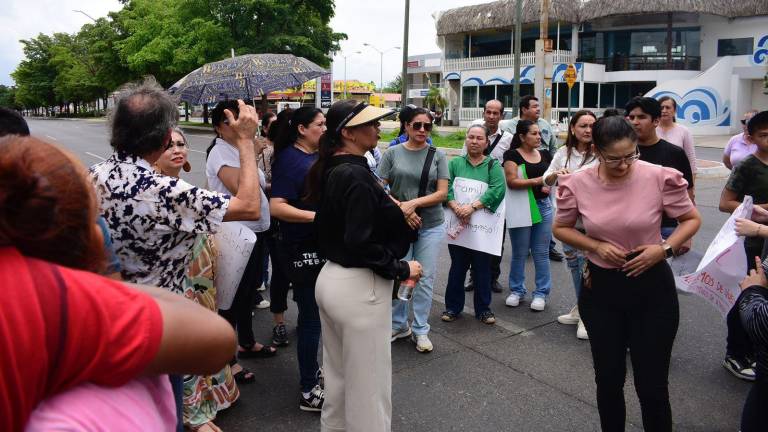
422, 70
710, 55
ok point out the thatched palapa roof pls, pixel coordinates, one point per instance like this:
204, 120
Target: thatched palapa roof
501, 14
594, 9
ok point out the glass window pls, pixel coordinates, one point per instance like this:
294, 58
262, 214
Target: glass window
487, 92
504, 93
491, 44
606, 95
741, 46
590, 95
469, 97
623, 92
526, 89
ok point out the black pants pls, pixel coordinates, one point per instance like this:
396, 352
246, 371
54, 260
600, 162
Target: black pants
641, 314
278, 286
754, 417
737, 343
239, 314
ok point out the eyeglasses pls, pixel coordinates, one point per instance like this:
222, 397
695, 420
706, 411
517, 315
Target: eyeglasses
418, 125
172, 144
629, 160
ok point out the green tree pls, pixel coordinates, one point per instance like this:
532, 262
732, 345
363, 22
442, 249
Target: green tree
8, 97
435, 99
395, 86
35, 75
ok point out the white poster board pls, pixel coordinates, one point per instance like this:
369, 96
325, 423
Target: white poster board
485, 229
518, 205
724, 265
234, 244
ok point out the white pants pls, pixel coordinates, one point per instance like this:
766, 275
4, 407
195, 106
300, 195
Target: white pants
356, 313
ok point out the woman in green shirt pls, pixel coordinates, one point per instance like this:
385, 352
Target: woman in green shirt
473, 166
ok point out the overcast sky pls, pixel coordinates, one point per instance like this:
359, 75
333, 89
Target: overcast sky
379, 23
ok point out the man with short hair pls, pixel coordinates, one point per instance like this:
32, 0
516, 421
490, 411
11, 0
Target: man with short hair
644, 114
499, 141
530, 109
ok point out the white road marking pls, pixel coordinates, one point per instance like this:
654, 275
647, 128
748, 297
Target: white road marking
51, 137
95, 155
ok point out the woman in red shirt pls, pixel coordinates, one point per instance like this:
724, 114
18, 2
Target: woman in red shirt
628, 300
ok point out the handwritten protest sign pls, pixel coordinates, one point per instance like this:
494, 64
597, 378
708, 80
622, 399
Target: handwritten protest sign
234, 244
485, 229
724, 265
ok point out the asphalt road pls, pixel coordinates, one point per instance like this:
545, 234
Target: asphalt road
527, 373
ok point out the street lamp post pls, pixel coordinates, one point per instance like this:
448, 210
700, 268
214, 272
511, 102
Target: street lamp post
345, 69
79, 11
381, 67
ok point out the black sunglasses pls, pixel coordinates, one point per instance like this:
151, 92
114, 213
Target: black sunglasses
418, 125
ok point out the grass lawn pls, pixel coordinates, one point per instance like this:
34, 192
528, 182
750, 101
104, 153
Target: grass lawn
191, 123
452, 140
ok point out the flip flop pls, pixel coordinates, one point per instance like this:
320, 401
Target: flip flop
245, 376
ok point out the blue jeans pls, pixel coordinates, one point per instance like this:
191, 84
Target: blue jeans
425, 250
666, 232
575, 260
461, 258
535, 238
308, 335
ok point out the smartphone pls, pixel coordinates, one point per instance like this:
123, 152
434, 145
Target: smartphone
632, 255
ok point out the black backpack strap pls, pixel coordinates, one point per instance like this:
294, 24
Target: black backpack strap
490, 148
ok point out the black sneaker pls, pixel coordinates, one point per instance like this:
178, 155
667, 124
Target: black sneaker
314, 400
740, 368
554, 255
496, 287
449, 316
487, 317
279, 335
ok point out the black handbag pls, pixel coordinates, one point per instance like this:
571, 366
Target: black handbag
300, 261
414, 235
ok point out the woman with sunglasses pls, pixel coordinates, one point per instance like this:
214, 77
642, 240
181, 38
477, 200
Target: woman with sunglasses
526, 150
576, 154
222, 169
364, 235
402, 168
628, 299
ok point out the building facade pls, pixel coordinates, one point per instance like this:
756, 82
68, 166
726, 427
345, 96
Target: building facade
710, 56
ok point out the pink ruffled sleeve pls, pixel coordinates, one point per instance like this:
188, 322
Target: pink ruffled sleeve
567, 206
674, 193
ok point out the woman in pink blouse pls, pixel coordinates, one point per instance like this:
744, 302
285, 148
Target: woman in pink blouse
670, 131
628, 300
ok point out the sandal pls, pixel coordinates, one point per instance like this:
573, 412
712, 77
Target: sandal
245, 376
264, 352
207, 427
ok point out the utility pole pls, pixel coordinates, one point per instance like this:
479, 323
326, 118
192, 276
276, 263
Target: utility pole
404, 73
345, 70
543, 83
518, 49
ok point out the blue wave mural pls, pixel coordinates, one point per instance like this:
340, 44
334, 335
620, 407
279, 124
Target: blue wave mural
700, 106
761, 51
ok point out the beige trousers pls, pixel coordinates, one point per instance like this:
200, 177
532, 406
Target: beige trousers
356, 313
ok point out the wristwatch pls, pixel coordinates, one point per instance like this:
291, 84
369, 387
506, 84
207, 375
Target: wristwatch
668, 252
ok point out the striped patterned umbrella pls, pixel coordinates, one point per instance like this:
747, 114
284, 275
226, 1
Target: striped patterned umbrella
244, 77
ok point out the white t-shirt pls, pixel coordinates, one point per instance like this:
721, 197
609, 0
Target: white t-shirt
572, 164
224, 154
503, 145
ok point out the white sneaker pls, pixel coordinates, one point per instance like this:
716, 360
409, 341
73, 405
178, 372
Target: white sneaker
538, 304
262, 304
513, 300
423, 344
261, 288
571, 318
581, 331
401, 333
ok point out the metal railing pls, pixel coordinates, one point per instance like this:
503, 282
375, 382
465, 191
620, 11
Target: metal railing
501, 61
657, 62
469, 114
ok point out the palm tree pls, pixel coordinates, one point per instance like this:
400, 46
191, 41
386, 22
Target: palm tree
434, 98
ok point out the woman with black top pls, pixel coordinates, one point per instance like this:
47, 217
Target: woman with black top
363, 234
296, 143
527, 154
